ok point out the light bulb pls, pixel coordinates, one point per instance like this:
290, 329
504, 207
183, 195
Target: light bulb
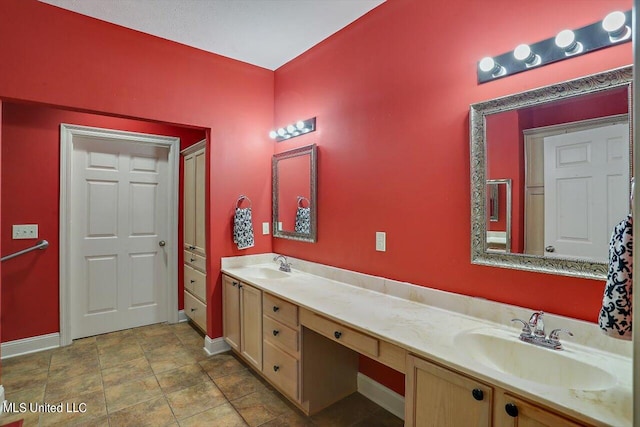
522, 52
273, 134
565, 39
614, 22
290, 128
487, 64
300, 125
281, 132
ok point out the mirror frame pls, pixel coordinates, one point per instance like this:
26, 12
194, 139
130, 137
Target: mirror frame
618, 77
312, 151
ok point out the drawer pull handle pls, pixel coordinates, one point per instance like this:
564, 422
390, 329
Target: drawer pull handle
234, 283
192, 247
193, 309
477, 394
276, 368
337, 334
191, 259
239, 285
192, 281
275, 332
276, 308
511, 409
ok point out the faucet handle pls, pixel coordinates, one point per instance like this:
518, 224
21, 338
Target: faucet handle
526, 329
553, 336
537, 324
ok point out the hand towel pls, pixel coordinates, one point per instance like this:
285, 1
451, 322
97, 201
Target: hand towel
616, 315
303, 220
243, 228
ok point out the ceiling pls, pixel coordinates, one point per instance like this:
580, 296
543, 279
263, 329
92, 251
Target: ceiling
267, 33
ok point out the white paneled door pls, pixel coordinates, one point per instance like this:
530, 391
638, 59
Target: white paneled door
586, 190
118, 227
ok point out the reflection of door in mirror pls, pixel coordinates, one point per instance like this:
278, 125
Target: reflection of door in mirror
499, 215
582, 145
293, 184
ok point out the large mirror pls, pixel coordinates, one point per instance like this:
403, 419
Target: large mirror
294, 194
566, 150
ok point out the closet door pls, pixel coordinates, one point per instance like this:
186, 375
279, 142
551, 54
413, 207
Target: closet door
199, 240
189, 202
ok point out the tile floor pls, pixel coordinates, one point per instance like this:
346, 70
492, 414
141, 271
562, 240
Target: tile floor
156, 376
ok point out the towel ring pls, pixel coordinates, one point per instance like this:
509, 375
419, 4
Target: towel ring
301, 199
240, 199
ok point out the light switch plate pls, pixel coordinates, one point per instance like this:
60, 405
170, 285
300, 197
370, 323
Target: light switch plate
381, 241
265, 228
25, 231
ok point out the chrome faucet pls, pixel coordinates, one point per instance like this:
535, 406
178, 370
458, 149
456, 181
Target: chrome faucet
533, 332
284, 265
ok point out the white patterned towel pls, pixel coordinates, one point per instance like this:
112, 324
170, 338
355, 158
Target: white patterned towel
616, 316
243, 228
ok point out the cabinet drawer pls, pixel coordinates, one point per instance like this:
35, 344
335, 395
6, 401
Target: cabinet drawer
195, 282
344, 335
280, 335
195, 261
280, 310
195, 310
281, 369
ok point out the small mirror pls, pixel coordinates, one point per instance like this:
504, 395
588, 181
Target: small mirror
294, 194
567, 151
499, 213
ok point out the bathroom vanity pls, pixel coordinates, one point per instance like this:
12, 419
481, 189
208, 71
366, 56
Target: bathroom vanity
302, 331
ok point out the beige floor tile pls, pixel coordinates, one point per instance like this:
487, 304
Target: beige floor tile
151, 330
152, 413
119, 354
196, 399
260, 407
220, 416
222, 365
77, 410
30, 362
290, 418
131, 393
26, 395
346, 412
77, 367
239, 384
155, 341
59, 389
163, 360
381, 418
23, 380
181, 378
114, 338
129, 371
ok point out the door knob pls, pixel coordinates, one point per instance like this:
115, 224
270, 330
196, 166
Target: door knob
550, 249
162, 243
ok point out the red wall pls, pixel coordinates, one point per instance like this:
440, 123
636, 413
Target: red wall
80, 63
391, 93
30, 193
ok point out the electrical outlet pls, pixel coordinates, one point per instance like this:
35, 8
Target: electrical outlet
25, 231
381, 241
265, 228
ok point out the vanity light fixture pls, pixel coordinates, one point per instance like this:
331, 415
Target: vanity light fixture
295, 129
611, 31
615, 24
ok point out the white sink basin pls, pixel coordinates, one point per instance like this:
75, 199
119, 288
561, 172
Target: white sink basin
264, 273
501, 350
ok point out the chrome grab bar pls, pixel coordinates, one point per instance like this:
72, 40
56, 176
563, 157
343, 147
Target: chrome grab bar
40, 244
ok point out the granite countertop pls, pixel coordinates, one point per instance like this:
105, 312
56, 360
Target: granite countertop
431, 332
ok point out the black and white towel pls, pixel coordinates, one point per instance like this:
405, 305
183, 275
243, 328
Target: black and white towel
243, 228
303, 220
616, 315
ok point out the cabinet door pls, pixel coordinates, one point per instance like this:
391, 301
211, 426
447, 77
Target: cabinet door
199, 196
438, 397
189, 201
523, 414
251, 324
231, 311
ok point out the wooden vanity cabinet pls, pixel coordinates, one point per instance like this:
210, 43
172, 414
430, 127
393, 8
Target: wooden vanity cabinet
242, 319
437, 396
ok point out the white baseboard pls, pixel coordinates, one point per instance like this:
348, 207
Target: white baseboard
182, 317
29, 345
383, 396
215, 345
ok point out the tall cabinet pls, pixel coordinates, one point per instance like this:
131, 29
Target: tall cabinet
195, 257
